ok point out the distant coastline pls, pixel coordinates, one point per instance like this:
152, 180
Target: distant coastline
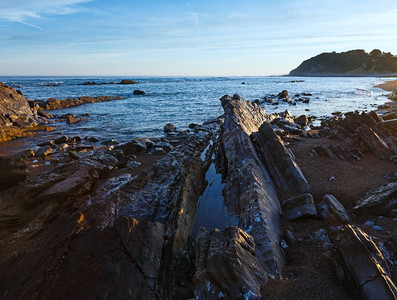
344, 75
353, 63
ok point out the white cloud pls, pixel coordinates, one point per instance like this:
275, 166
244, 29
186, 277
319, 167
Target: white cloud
24, 10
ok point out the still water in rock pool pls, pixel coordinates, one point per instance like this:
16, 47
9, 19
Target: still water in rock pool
211, 208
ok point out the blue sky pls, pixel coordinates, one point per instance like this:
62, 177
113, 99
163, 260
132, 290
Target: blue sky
182, 38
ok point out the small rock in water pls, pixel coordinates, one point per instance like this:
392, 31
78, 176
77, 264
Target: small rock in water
76, 139
139, 92
169, 128
43, 151
283, 95
63, 139
91, 139
71, 119
302, 120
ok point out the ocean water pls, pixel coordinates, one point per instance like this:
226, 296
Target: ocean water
185, 100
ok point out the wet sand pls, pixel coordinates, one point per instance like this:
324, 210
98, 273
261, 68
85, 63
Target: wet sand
389, 86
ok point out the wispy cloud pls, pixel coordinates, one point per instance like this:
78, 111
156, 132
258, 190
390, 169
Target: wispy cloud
23, 11
390, 12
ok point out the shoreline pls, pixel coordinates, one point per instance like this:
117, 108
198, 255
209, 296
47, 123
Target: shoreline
389, 86
44, 106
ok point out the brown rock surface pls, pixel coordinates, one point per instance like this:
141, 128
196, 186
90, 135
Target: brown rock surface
17, 117
52, 103
13, 106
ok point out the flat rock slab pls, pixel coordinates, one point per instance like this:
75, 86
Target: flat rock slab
337, 209
380, 201
299, 207
364, 264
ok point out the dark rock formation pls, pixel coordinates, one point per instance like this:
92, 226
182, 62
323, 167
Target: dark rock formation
139, 92
363, 265
18, 115
13, 172
132, 147
52, 103
128, 81
14, 108
283, 95
378, 202
43, 151
169, 128
299, 207
302, 120
336, 209
249, 187
279, 162
366, 133
226, 265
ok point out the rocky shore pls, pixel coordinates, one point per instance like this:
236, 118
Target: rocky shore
305, 211
21, 117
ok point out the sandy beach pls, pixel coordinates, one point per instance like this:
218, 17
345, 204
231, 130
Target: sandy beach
389, 86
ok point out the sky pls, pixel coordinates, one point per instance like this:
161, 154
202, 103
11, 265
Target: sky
185, 38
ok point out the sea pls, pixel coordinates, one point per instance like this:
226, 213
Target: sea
185, 100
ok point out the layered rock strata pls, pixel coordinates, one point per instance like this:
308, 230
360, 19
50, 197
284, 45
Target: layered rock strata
88, 228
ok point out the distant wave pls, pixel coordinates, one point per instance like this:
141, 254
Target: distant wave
364, 92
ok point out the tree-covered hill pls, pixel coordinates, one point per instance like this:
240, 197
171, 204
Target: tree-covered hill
353, 62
